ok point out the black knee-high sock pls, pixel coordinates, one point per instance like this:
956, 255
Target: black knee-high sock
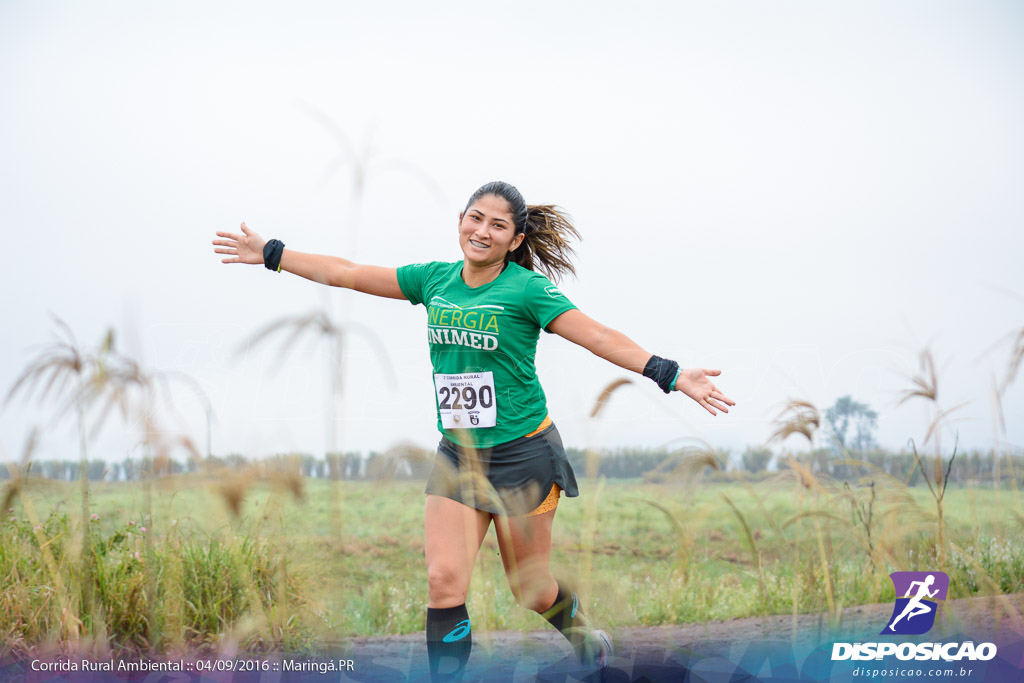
448, 642
567, 616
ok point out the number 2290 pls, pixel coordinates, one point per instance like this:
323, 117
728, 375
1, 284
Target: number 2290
452, 398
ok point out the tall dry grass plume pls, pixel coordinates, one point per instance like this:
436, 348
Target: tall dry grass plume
318, 324
588, 533
924, 386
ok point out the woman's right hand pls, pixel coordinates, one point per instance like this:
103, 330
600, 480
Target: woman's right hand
246, 248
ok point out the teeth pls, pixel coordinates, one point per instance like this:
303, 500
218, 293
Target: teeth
478, 244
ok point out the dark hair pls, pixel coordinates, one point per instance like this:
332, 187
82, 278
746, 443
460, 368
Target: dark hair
547, 228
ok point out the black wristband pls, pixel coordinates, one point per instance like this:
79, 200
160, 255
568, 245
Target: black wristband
663, 371
272, 251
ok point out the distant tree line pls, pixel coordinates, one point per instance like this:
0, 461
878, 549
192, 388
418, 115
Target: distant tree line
400, 463
975, 467
412, 463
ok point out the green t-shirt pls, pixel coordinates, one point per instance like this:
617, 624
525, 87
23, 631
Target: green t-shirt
486, 337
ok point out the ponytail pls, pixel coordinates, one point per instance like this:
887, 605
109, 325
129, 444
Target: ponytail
546, 247
547, 229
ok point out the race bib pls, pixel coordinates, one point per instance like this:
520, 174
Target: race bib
466, 401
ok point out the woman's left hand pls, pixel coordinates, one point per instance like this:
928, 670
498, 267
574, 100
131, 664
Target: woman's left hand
694, 383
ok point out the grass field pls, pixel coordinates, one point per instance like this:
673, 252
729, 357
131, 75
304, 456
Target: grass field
174, 566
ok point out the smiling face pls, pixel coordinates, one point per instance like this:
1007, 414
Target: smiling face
487, 231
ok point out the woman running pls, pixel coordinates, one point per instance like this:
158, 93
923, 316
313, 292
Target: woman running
500, 457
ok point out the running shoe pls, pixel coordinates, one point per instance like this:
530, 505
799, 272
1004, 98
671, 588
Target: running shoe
598, 651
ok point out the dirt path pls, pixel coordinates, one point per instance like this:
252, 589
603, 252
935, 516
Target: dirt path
769, 649
668, 652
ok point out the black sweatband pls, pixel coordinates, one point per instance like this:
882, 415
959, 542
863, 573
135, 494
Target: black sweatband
663, 371
272, 251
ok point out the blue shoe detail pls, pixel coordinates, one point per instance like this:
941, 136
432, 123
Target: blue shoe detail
575, 606
460, 631
596, 652
605, 652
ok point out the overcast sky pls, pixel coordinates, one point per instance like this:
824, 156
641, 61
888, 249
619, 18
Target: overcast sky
803, 194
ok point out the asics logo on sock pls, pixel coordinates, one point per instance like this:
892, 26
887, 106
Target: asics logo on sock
460, 631
575, 605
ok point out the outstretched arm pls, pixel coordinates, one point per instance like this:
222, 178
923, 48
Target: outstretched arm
619, 349
327, 270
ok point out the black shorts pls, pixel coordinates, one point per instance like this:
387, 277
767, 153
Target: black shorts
511, 478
